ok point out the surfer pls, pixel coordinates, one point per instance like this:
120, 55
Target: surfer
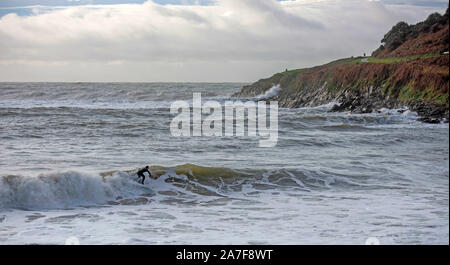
140, 173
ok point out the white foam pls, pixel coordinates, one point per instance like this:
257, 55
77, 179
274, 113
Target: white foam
65, 189
272, 92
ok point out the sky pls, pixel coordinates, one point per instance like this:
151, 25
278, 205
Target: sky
189, 40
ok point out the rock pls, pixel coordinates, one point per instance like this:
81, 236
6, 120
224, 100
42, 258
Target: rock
363, 109
346, 105
367, 109
335, 108
359, 104
437, 112
338, 108
429, 110
429, 120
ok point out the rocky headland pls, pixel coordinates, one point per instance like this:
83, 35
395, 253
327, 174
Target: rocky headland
410, 68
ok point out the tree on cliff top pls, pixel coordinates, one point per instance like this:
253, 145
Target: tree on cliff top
402, 32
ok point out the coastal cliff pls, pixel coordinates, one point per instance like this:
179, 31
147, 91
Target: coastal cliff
409, 69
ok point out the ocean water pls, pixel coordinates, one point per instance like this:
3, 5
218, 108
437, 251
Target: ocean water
69, 153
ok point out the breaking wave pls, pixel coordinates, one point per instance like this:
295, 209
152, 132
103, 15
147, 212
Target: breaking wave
64, 189
72, 188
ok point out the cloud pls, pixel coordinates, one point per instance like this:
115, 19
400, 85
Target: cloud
231, 40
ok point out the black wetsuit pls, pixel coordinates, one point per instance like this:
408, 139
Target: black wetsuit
140, 173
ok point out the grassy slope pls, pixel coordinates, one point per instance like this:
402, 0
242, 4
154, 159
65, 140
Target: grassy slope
411, 91
395, 59
420, 77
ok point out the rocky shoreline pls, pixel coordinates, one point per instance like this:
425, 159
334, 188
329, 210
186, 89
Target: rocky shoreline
364, 100
429, 112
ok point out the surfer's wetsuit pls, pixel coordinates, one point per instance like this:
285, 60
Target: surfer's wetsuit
140, 173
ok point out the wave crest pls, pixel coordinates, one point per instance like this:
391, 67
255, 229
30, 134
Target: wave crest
72, 188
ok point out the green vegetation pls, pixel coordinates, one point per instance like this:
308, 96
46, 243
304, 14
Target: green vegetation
345, 74
395, 59
289, 72
408, 93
